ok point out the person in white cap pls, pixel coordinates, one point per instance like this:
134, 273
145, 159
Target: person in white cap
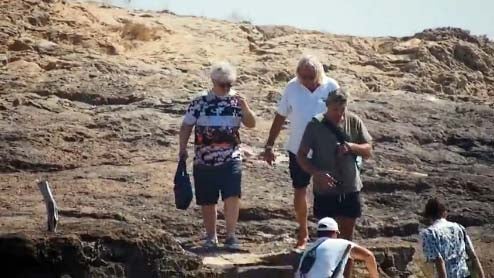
331, 254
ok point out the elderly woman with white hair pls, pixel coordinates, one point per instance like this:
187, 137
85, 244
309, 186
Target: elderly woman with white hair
303, 98
217, 116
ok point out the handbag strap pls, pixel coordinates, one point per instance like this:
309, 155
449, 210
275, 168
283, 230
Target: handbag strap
341, 135
182, 167
312, 249
340, 263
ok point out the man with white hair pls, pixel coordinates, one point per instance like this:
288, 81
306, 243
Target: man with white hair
217, 115
328, 255
303, 98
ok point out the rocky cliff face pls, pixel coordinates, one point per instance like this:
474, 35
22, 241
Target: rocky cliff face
92, 98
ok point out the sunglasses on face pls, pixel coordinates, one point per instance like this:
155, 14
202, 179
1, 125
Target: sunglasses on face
307, 77
225, 85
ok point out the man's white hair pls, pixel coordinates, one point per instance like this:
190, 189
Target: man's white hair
223, 72
310, 61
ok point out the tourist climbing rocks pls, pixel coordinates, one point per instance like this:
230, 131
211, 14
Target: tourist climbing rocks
217, 116
328, 255
304, 97
447, 245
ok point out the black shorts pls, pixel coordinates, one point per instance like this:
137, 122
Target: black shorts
210, 181
338, 205
300, 178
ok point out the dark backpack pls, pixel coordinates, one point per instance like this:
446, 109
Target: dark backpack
183, 187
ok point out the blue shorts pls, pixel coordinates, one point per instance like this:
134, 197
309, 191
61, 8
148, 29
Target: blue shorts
211, 181
300, 178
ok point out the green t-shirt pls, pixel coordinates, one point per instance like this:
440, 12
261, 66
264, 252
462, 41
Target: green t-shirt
323, 143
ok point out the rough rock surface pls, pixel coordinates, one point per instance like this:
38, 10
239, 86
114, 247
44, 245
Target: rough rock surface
113, 250
91, 99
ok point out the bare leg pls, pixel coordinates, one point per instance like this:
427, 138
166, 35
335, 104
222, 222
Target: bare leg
232, 206
300, 204
347, 226
209, 218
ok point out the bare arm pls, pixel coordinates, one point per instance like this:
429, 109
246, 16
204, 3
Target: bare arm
276, 126
363, 150
320, 177
304, 162
475, 261
440, 267
363, 254
478, 266
275, 129
248, 118
184, 135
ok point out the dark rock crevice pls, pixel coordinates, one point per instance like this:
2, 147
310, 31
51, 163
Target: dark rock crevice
90, 255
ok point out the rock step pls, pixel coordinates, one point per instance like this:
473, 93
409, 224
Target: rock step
253, 265
259, 271
394, 256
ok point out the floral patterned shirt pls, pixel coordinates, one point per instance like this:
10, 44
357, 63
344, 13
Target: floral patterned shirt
446, 240
217, 121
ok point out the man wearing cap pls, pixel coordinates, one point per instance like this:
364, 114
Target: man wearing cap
331, 251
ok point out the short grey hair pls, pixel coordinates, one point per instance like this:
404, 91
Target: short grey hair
223, 72
309, 61
338, 96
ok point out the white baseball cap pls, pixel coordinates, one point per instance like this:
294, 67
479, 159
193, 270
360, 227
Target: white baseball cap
327, 224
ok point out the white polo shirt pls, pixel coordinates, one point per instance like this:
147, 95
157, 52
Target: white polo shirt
328, 255
299, 105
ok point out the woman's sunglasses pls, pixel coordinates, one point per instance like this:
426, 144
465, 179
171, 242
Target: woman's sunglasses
225, 85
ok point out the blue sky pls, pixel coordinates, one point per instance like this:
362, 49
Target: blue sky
352, 17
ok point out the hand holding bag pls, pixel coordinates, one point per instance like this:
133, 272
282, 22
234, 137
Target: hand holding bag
183, 186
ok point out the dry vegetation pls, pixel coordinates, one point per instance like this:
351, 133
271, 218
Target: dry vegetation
138, 31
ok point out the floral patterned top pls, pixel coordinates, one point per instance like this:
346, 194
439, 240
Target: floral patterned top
446, 240
217, 121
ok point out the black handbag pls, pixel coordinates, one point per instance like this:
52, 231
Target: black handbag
309, 259
183, 187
